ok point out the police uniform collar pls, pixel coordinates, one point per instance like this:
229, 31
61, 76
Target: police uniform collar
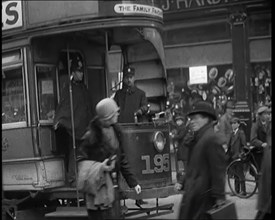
130, 89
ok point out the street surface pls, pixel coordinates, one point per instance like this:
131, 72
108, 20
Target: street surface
246, 208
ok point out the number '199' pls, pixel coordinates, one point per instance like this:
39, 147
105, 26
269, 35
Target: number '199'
161, 163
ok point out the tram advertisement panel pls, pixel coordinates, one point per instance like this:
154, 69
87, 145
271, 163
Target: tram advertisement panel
44, 12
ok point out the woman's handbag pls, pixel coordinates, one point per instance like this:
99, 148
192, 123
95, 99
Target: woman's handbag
225, 211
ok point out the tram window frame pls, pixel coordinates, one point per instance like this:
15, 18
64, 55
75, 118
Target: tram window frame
13, 60
49, 89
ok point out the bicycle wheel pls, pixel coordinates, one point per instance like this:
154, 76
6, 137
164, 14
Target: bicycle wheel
242, 178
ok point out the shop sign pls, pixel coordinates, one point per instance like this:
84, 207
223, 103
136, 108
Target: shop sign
198, 75
11, 15
175, 5
134, 9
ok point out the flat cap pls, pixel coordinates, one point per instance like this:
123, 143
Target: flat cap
234, 120
230, 104
262, 109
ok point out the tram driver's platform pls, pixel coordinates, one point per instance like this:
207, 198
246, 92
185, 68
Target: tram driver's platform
154, 208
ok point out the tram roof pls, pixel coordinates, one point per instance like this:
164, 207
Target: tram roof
27, 17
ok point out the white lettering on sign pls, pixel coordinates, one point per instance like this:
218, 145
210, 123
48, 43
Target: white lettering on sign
11, 15
170, 5
138, 9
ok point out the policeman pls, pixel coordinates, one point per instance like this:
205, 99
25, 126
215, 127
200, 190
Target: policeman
131, 100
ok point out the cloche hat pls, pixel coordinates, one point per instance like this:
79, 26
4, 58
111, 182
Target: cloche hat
106, 108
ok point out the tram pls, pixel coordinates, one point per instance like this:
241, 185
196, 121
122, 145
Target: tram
39, 40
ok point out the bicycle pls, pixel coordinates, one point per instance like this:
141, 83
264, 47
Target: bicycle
245, 164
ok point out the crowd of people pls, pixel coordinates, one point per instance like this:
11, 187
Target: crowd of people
206, 147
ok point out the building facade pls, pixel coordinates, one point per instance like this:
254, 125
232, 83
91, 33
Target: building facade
232, 38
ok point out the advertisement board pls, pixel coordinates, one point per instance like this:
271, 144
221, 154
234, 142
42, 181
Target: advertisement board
11, 15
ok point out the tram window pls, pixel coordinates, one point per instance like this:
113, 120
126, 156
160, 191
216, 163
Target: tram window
11, 57
13, 99
45, 76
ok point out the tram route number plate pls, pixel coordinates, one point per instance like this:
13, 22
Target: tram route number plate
160, 163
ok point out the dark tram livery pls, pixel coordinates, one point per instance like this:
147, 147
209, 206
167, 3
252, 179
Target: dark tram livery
39, 38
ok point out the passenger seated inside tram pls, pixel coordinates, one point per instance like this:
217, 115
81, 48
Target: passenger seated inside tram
47, 109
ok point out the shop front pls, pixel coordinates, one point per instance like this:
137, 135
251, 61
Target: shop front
232, 39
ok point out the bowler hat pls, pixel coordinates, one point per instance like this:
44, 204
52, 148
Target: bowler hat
262, 109
203, 107
128, 71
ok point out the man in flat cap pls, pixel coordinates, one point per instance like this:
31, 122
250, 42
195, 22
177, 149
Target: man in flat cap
224, 126
131, 100
258, 135
236, 144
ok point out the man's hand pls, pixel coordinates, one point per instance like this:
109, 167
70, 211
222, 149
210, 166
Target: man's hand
138, 189
56, 126
264, 145
138, 112
178, 187
219, 202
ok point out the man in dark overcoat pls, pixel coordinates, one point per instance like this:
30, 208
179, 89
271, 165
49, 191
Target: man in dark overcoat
63, 121
131, 100
265, 185
259, 133
204, 183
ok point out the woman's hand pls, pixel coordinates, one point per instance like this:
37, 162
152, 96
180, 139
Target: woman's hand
109, 164
138, 189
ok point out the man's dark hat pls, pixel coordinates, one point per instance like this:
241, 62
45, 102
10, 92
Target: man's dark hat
234, 120
75, 66
203, 107
128, 71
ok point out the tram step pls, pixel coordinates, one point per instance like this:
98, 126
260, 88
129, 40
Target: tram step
71, 213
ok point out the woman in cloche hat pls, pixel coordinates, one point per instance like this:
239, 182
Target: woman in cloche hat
102, 141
